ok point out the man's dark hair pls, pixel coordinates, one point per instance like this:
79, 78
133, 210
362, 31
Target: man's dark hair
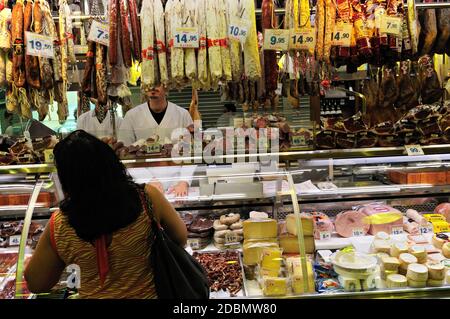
101, 196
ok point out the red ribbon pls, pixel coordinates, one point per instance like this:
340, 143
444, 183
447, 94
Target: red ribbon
102, 258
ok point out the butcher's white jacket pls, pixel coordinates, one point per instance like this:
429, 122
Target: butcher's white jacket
139, 123
89, 123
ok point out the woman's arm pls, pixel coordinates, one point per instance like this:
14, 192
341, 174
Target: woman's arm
45, 267
167, 216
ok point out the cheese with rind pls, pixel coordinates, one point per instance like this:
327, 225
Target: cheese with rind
417, 272
260, 228
396, 281
435, 283
397, 249
274, 286
390, 263
306, 222
416, 284
290, 244
436, 271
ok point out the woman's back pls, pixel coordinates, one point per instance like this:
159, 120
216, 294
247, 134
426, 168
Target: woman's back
130, 274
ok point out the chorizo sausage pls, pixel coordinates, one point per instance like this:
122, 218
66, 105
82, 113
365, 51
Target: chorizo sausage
135, 30
113, 20
17, 38
125, 34
270, 57
31, 62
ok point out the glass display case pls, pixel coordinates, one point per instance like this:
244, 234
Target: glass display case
351, 225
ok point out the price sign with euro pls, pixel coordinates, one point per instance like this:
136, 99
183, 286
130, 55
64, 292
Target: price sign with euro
186, 38
342, 34
99, 33
39, 45
414, 150
276, 39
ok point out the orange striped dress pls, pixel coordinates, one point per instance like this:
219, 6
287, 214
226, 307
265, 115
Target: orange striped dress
130, 273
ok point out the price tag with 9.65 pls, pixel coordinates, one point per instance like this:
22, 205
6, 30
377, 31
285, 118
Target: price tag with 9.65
186, 38
99, 33
276, 39
238, 29
414, 150
342, 34
391, 25
302, 39
39, 45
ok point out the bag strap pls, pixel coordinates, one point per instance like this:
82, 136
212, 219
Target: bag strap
146, 204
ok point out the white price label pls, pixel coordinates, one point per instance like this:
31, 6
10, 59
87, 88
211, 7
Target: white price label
426, 230
14, 240
153, 148
238, 29
39, 45
99, 33
414, 150
342, 34
391, 25
298, 140
325, 235
186, 38
357, 232
231, 238
397, 230
194, 243
48, 156
276, 39
302, 39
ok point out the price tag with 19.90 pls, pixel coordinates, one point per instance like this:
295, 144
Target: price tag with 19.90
39, 45
276, 39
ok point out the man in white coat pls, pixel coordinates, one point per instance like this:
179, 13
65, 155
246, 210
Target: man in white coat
91, 123
159, 117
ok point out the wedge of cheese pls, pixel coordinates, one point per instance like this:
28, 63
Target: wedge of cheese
260, 228
289, 244
271, 259
297, 279
274, 286
252, 249
307, 223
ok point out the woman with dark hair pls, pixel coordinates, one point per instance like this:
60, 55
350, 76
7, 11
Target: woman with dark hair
102, 225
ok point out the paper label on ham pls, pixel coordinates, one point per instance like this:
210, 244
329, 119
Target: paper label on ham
325, 235
358, 232
426, 230
397, 230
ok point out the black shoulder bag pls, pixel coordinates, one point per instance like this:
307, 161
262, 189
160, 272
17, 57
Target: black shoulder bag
177, 274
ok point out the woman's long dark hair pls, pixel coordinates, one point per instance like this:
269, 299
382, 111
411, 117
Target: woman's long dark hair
100, 195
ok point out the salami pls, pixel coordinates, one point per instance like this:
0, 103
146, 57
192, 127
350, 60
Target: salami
148, 55
17, 35
125, 33
270, 56
252, 62
113, 31
31, 62
161, 45
88, 69
135, 30
100, 72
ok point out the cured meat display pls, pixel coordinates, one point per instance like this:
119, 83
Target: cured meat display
348, 222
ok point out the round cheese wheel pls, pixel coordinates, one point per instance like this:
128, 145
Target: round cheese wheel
420, 253
439, 240
446, 250
436, 271
406, 259
396, 281
417, 272
435, 283
397, 249
416, 284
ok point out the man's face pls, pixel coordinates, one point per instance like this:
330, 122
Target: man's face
158, 92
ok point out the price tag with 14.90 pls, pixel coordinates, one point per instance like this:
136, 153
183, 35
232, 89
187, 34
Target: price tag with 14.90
302, 39
39, 45
342, 35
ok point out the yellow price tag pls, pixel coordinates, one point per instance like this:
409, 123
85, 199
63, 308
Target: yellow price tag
276, 39
342, 34
48, 156
302, 39
391, 25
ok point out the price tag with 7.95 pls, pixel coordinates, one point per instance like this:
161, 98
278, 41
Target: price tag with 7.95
186, 38
276, 39
302, 39
39, 45
391, 25
99, 33
342, 35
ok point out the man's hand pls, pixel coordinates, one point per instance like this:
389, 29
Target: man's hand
180, 189
155, 183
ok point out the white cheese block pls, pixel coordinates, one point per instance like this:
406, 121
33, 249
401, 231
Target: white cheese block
381, 246
436, 271
446, 250
417, 272
398, 248
396, 281
382, 235
435, 283
419, 252
368, 283
416, 284
385, 273
390, 263
350, 284
405, 259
